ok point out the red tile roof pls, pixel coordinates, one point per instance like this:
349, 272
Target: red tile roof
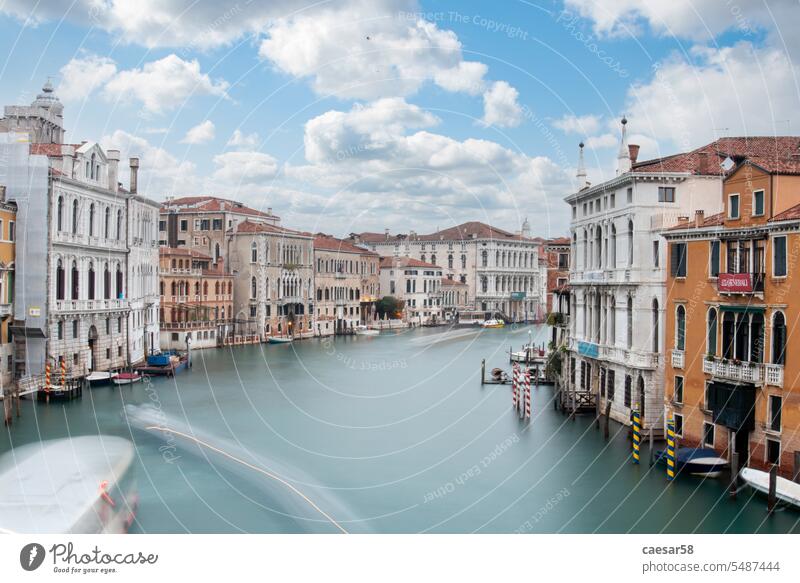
399, 262
328, 243
790, 214
460, 232
250, 227
558, 241
446, 281
209, 203
183, 252
773, 153
710, 221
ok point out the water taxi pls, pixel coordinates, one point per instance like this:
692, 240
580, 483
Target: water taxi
492, 323
362, 330
77, 485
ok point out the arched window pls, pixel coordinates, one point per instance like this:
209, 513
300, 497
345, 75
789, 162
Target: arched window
107, 223
711, 335
630, 243
656, 330
612, 321
630, 322
93, 174
60, 213
119, 225
484, 258
680, 328
120, 291
91, 281
612, 247
450, 262
779, 339
75, 216
253, 252
216, 288
253, 288
757, 338
463, 262
161, 289
60, 276
216, 252
91, 220
75, 280
205, 288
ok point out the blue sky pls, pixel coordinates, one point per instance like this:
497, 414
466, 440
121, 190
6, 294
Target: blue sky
353, 115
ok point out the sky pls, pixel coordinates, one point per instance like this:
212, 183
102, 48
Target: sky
359, 115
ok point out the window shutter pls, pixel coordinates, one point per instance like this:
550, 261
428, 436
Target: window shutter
780, 256
714, 258
674, 258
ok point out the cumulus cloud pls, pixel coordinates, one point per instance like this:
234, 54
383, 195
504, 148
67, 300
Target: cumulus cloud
164, 84
578, 124
202, 133
244, 167
500, 107
467, 77
244, 141
82, 75
602, 141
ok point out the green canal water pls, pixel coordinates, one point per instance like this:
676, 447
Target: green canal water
384, 434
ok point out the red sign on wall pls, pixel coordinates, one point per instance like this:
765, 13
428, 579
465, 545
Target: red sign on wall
735, 282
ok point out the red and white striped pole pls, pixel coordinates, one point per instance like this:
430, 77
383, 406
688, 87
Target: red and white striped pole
527, 394
47, 377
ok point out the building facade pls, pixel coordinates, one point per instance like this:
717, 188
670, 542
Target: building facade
730, 367
273, 270
501, 269
455, 297
196, 299
8, 225
342, 275
617, 275
418, 285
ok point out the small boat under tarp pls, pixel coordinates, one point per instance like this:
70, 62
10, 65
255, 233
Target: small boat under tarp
126, 378
82, 484
98, 377
786, 491
696, 461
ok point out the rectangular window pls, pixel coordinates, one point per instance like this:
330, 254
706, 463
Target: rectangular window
708, 434
678, 425
779, 256
733, 206
610, 385
574, 212
677, 395
205, 225
775, 406
162, 225
666, 194
197, 224
677, 261
217, 224
74, 328
706, 396
613, 201
630, 195
628, 383
714, 266
773, 451
184, 225
12, 230
758, 203
655, 253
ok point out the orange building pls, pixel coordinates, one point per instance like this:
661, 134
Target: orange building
196, 299
731, 372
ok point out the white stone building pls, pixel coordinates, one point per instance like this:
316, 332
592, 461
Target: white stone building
617, 274
73, 249
417, 284
501, 269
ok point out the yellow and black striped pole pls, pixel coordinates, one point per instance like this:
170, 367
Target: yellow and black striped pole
637, 434
670, 448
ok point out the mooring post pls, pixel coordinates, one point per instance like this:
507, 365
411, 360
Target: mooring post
773, 488
734, 474
605, 420
652, 451
483, 370
796, 476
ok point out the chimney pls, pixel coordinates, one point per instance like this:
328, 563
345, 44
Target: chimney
633, 150
699, 215
702, 163
134, 164
269, 210
386, 232
624, 156
113, 170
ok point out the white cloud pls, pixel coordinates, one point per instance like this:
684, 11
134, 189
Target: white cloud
160, 172
164, 84
582, 125
602, 141
202, 133
500, 107
244, 167
467, 77
241, 140
81, 76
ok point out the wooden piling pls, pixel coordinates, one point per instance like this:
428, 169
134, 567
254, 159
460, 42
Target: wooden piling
652, 450
796, 476
734, 485
605, 420
773, 488
483, 370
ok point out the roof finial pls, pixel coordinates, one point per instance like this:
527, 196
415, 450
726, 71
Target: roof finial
623, 157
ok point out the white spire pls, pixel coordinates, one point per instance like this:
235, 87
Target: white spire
581, 175
624, 156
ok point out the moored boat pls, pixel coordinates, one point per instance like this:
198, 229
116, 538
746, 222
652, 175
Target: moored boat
126, 378
786, 491
81, 484
98, 377
696, 461
362, 330
279, 339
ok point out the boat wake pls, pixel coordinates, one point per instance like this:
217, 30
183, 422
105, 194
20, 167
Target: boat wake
313, 510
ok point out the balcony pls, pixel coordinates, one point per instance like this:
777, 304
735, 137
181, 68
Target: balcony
90, 305
773, 374
746, 372
740, 283
678, 358
5, 310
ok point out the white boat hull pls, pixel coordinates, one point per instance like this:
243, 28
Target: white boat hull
786, 491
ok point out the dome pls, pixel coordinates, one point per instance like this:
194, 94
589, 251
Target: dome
47, 99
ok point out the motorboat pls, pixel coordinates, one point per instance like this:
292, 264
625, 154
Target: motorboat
786, 491
98, 377
696, 461
279, 339
493, 323
77, 485
362, 330
126, 378
529, 354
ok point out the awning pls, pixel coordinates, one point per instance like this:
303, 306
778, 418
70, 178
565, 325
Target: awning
743, 309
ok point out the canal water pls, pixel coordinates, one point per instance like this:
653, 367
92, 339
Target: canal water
392, 433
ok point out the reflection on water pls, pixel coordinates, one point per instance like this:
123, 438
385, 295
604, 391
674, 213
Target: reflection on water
383, 434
